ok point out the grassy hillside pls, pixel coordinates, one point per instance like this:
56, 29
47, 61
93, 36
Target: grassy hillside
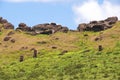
83, 61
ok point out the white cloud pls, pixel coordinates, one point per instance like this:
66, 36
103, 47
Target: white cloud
92, 10
36, 1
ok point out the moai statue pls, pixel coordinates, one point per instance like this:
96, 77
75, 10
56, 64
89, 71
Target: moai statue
100, 48
21, 58
34, 53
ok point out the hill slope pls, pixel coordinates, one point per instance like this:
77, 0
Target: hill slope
82, 60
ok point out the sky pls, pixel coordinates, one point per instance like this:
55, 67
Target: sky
68, 13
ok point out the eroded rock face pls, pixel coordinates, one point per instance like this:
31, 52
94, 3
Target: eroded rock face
49, 28
24, 27
64, 29
6, 24
43, 28
98, 25
82, 27
111, 20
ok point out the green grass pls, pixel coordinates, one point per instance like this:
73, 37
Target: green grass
83, 61
81, 65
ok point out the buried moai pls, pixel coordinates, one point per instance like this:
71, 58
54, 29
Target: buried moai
100, 48
34, 53
21, 58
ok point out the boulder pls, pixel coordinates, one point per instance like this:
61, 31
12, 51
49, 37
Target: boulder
93, 22
54, 47
98, 38
98, 27
54, 24
7, 38
13, 40
8, 26
3, 21
81, 27
24, 27
111, 20
39, 28
46, 32
64, 29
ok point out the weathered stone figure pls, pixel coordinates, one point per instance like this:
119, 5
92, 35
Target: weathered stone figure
100, 48
21, 58
34, 53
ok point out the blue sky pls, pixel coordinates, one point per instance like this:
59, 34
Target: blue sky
66, 12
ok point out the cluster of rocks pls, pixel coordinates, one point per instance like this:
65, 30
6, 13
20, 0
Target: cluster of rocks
24, 27
98, 25
9, 38
43, 28
50, 28
6, 24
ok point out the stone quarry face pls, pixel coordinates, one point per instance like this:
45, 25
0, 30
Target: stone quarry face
98, 25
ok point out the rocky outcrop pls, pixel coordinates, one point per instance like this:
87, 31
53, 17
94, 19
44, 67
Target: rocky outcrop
6, 24
24, 27
98, 25
49, 28
42, 28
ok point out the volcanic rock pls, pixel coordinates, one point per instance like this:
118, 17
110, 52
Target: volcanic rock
7, 38
13, 40
49, 28
24, 27
98, 25
6, 24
